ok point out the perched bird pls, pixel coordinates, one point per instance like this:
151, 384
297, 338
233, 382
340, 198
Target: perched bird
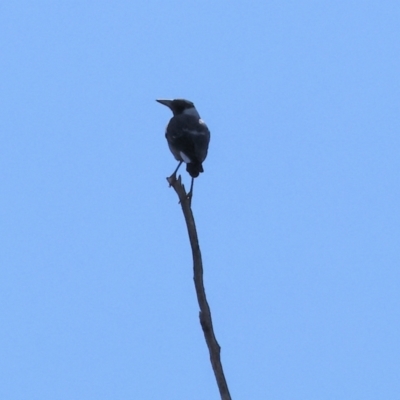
187, 136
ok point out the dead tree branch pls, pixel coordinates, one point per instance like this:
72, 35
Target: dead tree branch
205, 313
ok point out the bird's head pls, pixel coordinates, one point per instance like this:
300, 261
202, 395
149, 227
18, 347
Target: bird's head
180, 106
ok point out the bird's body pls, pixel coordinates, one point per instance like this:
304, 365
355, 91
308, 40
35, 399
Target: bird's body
187, 136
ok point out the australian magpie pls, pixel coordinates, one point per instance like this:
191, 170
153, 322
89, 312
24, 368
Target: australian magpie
187, 136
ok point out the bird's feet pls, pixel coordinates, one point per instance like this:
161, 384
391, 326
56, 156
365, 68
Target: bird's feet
172, 179
189, 197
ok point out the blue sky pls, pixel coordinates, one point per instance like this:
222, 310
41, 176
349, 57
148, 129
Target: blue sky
297, 211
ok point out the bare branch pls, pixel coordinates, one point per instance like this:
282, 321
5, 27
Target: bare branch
205, 313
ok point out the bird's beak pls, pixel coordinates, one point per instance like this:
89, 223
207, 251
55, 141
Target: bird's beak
165, 102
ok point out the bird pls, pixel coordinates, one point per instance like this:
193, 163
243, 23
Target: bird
188, 138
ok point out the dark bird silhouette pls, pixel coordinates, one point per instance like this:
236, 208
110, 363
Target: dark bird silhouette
188, 137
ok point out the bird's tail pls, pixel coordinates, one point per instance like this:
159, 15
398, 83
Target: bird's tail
194, 169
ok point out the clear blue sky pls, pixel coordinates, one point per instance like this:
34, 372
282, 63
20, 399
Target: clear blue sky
297, 211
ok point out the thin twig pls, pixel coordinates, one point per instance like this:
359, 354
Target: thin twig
205, 313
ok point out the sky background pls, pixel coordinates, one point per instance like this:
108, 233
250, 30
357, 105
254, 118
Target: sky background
297, 211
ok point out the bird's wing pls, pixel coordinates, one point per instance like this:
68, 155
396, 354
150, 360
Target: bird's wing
189, 136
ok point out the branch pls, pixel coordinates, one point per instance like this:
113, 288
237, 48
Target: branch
205, 313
